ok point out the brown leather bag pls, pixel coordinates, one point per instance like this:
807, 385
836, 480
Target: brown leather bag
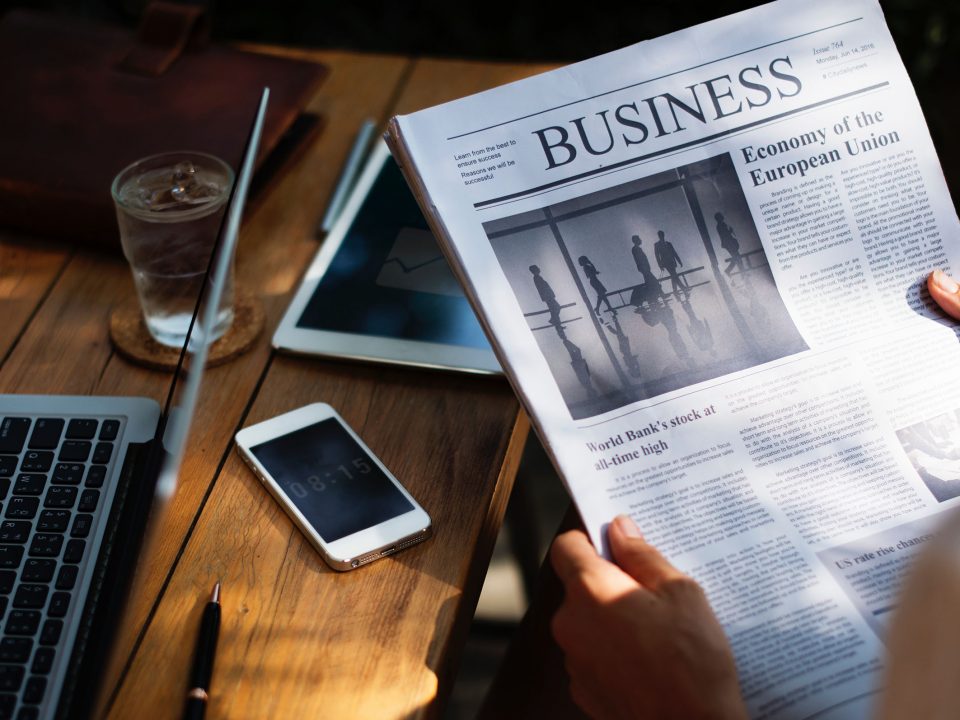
81, 101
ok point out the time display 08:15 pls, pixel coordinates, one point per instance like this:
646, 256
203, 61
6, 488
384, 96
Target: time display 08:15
319, 483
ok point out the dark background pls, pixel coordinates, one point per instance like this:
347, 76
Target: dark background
927, 33
925, 30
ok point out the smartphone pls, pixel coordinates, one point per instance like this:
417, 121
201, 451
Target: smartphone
335, 489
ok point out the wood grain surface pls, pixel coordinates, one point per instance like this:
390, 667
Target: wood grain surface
298, 640
28, 269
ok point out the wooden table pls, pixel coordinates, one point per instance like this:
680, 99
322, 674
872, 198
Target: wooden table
297, 639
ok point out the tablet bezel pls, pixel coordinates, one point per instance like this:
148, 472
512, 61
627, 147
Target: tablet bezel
355, 346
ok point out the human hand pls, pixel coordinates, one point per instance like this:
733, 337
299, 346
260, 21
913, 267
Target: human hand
945, 292
639, 638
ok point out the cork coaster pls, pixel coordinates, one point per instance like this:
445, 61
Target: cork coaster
132, 340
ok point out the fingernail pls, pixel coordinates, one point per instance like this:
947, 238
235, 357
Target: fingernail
627, 526
945, 282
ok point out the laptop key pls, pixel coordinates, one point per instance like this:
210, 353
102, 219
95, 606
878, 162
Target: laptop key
46, 434
8, 465
102, 453
53, 521
109, 430
7, 579
74, 551
22, 508
46, 545
74, 451
33, 692
38, 570
13, 433
50, 634
59, 497
15, 650
23, 622
68, 474
4, 487
67, 577
88, 501
29, 484
82, 429
36, 461
42, 660
10, 556
96, 475
14, 531
7, 704
81, 526
59, 604
11, 678
31, 597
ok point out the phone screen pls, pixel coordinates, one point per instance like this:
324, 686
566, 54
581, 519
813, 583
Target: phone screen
333, 482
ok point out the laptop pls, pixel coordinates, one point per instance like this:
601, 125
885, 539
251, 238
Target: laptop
81, 479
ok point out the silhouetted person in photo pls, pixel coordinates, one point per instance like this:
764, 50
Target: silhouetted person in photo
651, 283
547, 294
669, 322
699, 329
629, 358
729, 242
591, 272
668, 260
580, 368
757, 308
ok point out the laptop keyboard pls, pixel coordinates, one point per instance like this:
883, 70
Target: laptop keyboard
53, 472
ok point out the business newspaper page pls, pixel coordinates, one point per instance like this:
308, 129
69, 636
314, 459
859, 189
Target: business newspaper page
702, 260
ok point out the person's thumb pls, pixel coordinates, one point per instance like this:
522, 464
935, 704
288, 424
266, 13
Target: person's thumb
636, 557
945, 292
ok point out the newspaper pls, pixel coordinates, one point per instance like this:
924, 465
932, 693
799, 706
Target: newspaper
700, 260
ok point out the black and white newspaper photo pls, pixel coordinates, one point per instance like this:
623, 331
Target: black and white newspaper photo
647, 287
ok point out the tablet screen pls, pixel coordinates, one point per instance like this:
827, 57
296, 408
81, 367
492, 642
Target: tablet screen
389, 278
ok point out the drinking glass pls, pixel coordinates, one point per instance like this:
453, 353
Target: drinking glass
169, 208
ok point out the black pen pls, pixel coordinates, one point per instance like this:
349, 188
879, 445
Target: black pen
203, 658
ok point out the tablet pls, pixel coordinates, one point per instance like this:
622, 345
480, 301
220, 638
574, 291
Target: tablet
379, 289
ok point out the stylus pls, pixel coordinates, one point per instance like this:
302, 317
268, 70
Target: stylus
349, 174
